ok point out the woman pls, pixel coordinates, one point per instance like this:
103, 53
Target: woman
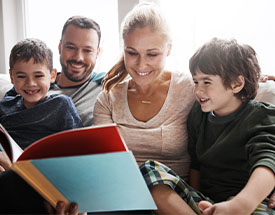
151, 106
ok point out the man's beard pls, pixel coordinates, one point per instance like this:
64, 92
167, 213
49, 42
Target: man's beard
86, 73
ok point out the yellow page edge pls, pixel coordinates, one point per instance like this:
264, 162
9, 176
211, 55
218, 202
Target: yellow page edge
39, 182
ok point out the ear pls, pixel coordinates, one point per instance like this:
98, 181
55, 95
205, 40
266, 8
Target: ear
53, 75
59, 47
98, 51
12, 81
169, 48
238, 85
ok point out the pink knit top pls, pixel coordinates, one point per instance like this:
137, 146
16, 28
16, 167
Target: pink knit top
162, 138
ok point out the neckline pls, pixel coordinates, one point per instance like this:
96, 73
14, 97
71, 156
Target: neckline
75, 86
225, 119
166, 102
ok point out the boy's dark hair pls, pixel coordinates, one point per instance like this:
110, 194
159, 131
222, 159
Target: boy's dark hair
82, 22
31, 48
229, 60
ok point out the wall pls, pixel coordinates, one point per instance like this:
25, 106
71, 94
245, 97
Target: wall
11, 28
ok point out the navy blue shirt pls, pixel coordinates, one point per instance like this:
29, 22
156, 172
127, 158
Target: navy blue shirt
53, 114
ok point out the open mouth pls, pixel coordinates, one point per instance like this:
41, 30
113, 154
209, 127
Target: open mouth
77, 65
31, 92
143, 74
203, 101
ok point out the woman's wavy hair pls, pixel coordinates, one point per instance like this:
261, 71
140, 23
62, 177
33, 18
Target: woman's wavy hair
229, 60
141, 16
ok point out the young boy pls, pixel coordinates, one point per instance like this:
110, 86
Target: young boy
231, 139
32, 114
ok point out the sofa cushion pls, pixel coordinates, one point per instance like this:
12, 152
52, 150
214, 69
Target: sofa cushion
266, 92
5, 84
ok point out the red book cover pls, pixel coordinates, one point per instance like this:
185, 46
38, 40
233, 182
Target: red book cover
81, 141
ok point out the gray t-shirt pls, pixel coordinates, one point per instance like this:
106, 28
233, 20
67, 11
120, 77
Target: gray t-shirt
83, 96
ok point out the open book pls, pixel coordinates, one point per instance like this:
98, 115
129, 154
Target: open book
8, 145
91, 166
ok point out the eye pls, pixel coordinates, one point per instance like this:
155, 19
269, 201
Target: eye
132, 53
152, 54
39, 76
207, 82
195, 82
20, 76
70, 47
88, 51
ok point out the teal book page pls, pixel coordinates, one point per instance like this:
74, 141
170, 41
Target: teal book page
100, 182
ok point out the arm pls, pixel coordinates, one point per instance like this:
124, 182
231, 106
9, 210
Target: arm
60, 209
103, 110
247, 200
194, 180
271, 202
5, 162
265, 78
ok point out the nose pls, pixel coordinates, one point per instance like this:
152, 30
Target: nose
78, 55
141, 63
30, 82
198, 90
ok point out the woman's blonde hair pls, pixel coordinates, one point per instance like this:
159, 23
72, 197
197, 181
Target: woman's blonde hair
141, 16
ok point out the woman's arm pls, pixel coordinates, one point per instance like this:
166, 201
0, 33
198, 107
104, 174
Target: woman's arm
102, 110
258, 187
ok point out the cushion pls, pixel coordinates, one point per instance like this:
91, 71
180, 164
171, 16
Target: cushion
266, 92
5, 84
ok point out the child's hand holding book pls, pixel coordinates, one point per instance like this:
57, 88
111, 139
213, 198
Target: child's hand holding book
5, 162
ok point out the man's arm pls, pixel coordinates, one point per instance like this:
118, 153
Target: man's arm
271, 202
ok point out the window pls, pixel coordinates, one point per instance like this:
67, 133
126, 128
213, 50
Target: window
195, 22
45, 20
192, 23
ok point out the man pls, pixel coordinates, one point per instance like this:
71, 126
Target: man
78, 49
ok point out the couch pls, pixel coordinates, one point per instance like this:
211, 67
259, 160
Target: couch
266, 90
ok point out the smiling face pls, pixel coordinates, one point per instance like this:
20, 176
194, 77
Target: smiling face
78, 53
31, 81
213, 96
145, 54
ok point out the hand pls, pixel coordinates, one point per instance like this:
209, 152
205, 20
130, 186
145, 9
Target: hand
221, 208
206, 207
271, 202
5, 162
60, 209
265, 78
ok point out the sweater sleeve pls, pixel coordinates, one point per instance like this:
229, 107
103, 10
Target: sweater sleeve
102, 110
261, 146
192, 128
